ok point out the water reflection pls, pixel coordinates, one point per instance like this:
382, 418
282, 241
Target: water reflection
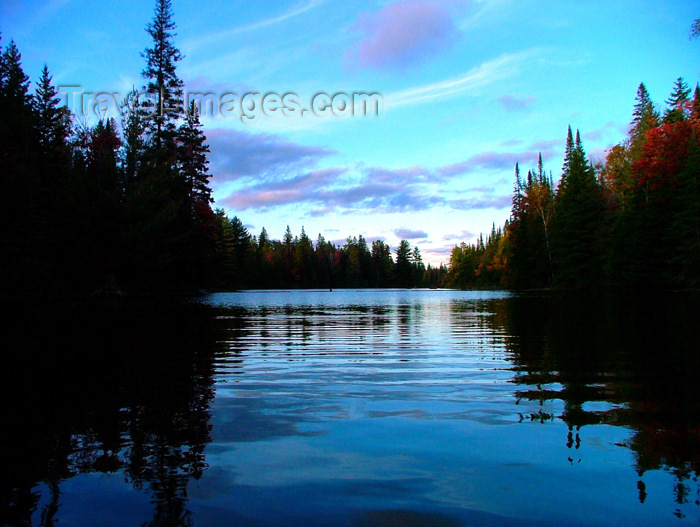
627, 361
353, 408
94, 389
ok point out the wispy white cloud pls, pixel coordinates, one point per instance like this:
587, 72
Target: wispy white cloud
485, 74
213, 38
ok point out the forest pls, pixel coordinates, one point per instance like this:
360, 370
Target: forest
126, 206
630, 221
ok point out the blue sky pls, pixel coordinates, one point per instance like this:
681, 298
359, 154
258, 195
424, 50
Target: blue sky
469, 86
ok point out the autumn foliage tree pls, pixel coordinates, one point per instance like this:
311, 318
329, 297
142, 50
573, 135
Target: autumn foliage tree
632, 223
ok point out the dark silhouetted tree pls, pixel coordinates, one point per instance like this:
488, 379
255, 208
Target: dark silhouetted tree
578, 220
164, 89
192, 156
403, 264
52, 120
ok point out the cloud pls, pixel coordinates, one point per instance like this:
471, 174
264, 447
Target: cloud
213, 38
486, 161
328, 191
403, 33
262, 172
408, 234
203, 84
482, 202
237, 154
439, 251
546, 145
511, 142
464, 235
515, 104
486, 74
268, 172
284, 190
610, 126
402, 175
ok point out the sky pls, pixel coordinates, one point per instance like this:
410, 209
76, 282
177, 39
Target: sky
469, 88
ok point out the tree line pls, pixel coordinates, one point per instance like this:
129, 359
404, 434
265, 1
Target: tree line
89, 207
296, 261
630, 221
126, 205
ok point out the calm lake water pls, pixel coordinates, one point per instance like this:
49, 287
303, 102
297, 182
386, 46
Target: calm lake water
353, 408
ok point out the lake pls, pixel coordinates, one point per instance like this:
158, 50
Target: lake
353, 408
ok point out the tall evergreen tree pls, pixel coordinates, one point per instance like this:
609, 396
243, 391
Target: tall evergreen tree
568, 157
133, 150
52, 120
164, 89
644, 118
677, 102
288, 242
192, 156
577, 222
2, 66
20, 201
684, 232
382, 263
403, 264
16, 124
418, 267
15, 83
241, 252
529, 244
696, 102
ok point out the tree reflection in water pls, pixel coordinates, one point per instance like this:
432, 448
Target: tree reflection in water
127, 391
94, 389
635, 354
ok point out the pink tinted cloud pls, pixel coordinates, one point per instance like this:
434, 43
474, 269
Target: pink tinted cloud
404, 33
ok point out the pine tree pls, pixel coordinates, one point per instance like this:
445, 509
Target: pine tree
303, 260
418, 267
3, 74
16, 123
102, 159
15, 84
133, 152
241, 251
263, 239
192, 156
568, 155
677, 102
382, 263
52, 120
696, 102
644, 118
403, 264
164, 89
517, 200
528, 243
684, 231
577, 221
20, 203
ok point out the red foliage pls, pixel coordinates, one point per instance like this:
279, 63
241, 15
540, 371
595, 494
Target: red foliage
663, 155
